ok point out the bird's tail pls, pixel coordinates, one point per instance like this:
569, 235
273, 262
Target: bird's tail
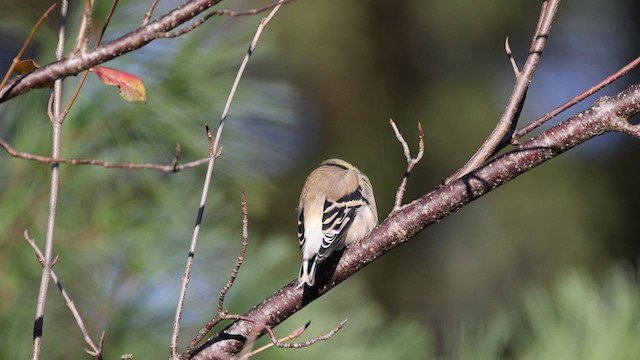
308, 272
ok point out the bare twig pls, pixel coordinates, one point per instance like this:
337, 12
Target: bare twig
212, 13
315, 339
24, 46
147, 15
514, 65
223, 293
192, 250
213, 150
277, 343
595, 88
95, 351
84, 34
411, 162
133, 40
509, 117
86, 72
53, 196
240, 259
176, 156
282, 343
173, 167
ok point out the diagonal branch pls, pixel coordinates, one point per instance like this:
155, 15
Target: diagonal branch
214, 149
223, 293
133, 40
606, 115
411, 162
512, 110
95, 351
16, 59
595, 88
231, 13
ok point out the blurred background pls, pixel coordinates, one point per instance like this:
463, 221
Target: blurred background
543, 267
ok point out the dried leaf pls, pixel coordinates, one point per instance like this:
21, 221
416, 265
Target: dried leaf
131, 87
25, 66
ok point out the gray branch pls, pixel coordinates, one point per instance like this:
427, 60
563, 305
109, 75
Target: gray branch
607, 114
111, 50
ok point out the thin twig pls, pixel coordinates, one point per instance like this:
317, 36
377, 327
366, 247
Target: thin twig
16, 59
176, 156
212, 13
106, 23
84, 34
134, 39
223, 293
96, 351
282, 343
147, 15
173, 167
86, 72
512, 110
53, 196
240, 259
411, 162
514, 65
595, 88
247, 353
192, 250
315, 339
213, 150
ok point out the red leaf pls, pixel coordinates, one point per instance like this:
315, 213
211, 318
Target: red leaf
131, 87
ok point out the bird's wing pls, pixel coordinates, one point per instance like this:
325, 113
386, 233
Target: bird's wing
336, 219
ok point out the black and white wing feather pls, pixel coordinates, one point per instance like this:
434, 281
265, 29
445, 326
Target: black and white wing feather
336, 219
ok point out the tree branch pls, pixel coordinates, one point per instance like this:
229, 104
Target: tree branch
523, 79
126, 43
411, 162
214, 149
95, 351
56, 120
607, 114
595, 88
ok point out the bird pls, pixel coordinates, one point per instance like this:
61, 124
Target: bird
337, 209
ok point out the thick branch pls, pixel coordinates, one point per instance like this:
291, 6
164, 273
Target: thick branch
608, 114
128, 42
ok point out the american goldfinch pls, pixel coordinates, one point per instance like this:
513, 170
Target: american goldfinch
337, 209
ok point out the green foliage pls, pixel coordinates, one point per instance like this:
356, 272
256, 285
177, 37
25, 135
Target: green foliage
122, 235
576, 317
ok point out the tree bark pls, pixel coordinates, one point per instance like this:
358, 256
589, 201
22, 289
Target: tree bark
607, 114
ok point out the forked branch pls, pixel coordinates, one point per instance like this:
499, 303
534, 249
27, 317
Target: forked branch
411, 162
523, 79
606, 115
95, 351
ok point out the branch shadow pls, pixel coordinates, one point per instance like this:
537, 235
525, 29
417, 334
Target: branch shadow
486, 185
